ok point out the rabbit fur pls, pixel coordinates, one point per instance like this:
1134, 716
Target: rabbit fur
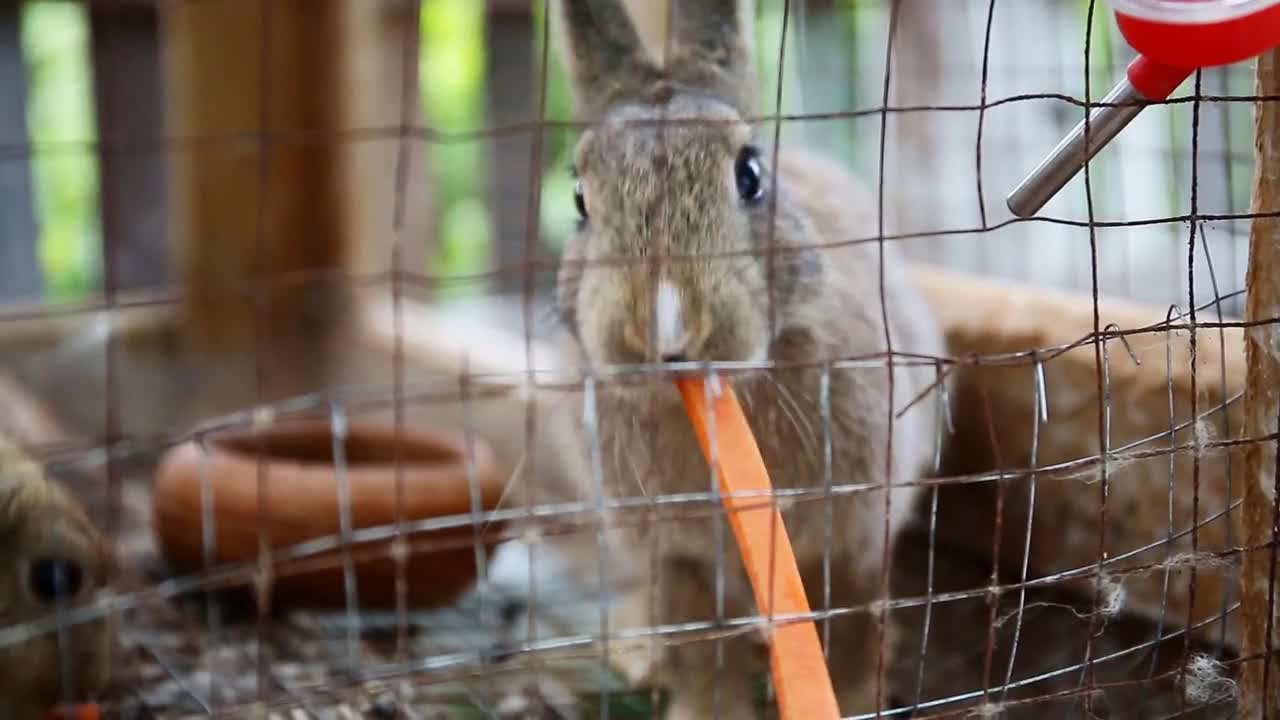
666, 264
41, 521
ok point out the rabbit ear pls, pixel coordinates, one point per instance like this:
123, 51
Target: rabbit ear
603, 53
711, 48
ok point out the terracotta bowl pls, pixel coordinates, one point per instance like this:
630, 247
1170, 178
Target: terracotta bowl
298, 472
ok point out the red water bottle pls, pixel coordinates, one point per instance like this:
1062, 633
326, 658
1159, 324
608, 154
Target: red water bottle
1174, 38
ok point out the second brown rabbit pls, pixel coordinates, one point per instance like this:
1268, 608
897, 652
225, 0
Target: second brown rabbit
679, 197
50, 555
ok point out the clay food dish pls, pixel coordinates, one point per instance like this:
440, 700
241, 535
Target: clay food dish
296, 460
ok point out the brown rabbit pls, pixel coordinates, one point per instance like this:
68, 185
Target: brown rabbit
50, 556
677, 214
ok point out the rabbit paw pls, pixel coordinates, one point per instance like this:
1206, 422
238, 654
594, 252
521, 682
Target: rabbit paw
684, 707
543, 698
633, 659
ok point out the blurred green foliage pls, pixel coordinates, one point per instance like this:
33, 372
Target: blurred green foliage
452, 76
451, 73
55, 42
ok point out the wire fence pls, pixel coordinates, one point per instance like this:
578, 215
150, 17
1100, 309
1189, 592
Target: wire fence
269, 445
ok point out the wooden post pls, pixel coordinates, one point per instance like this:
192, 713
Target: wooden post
1260, 673
510, 90
251, 88
382, 200
127, 99
916, 141
293, 116
651, 20
822, 33
20, 278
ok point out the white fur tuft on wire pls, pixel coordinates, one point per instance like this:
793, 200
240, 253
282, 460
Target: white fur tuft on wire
1207, 681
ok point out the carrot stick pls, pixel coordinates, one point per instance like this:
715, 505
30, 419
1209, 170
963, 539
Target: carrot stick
89, 711
800, 677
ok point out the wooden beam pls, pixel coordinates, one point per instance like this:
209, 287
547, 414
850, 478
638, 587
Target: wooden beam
384, 178
511, 84
128, 102
1260, 671
162, 387
651, 20
826, 64
20, 278
256, 198
650, 17
286, 123
299, 165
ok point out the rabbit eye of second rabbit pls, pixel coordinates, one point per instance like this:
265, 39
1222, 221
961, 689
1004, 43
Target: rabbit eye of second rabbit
580, 200
51, 579
747, 172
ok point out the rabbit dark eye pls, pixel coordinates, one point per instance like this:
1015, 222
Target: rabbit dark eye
747, 173
580, 200
52, 579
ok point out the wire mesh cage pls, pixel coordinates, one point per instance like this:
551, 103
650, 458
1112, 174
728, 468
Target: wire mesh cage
341, 344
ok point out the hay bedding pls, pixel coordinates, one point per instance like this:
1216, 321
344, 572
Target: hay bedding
173, 664
193, 655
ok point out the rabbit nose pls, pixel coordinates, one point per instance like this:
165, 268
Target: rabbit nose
671, 334
638, 345
665, 335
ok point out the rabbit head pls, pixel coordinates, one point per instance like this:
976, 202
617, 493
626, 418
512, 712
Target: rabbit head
51, 557
675, 193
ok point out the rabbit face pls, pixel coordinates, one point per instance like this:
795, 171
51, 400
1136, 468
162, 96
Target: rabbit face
666, 257
53, 558
673, 195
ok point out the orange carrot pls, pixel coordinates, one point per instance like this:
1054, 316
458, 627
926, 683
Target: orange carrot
88, 711
800, 677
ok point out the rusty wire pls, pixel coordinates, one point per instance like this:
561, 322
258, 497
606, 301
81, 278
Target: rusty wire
353, 674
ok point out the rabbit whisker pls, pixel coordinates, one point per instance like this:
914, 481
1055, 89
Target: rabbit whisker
631, 459
793, 413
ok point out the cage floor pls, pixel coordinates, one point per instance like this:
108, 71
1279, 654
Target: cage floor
194, 656
212, 655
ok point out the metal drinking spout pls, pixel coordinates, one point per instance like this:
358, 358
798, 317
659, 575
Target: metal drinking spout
1118, 109
1075, 150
